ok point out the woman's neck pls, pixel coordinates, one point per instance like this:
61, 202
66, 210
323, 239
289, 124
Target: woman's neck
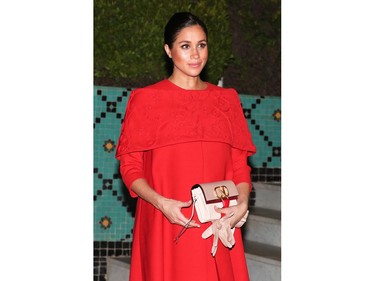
188, 83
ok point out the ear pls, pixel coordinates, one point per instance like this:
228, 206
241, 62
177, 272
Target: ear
168, 51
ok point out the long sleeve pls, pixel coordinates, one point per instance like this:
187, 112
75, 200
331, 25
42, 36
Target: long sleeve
131, 168
241, 171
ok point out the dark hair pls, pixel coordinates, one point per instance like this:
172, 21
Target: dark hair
178, 22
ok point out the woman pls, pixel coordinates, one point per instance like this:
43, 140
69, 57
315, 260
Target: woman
176, 133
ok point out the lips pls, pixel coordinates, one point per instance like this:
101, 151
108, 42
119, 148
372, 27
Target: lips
194, 65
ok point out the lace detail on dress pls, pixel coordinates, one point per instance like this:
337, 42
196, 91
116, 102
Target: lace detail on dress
156, 118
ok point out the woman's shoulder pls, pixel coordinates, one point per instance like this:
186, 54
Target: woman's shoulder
211, 86
227, 92
144, 91
148, 94
161, 85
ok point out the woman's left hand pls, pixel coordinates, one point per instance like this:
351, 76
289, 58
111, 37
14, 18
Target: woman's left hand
240, 213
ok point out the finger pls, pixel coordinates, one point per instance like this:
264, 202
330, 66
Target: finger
229, 215
186, 204
182, 220
193, 223
226, 217
190, 223
222, 210
218, 210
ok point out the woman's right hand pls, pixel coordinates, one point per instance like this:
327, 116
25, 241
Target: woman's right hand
172, 211
169, 207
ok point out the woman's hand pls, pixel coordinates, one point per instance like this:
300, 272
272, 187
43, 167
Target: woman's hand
172, 211
240, 213
169, 207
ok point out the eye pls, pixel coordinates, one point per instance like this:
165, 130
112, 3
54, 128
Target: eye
202, 45
185, 46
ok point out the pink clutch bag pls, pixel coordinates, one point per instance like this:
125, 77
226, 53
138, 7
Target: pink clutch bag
207, 195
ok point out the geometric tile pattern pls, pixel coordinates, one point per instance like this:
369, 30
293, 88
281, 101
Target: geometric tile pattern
113, 206
113, 218
264, 120
263, 115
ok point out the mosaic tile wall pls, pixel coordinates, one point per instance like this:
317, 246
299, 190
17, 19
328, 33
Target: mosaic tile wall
114, 208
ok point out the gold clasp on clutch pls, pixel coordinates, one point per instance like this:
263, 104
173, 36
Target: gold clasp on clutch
222, 192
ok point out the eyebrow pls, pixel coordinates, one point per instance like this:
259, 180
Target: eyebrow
186, 41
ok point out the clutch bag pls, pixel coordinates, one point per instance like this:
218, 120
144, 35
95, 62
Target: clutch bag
208, 195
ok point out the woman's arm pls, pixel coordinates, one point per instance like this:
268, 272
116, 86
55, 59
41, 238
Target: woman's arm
169, 207
133, 176
242, 179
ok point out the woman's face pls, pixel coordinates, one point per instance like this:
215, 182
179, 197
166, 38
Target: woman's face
189, 51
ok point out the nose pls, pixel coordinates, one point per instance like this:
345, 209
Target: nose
194, 53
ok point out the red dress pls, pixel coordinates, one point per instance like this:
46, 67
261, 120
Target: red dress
175, 138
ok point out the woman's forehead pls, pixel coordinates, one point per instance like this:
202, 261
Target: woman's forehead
191, 33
